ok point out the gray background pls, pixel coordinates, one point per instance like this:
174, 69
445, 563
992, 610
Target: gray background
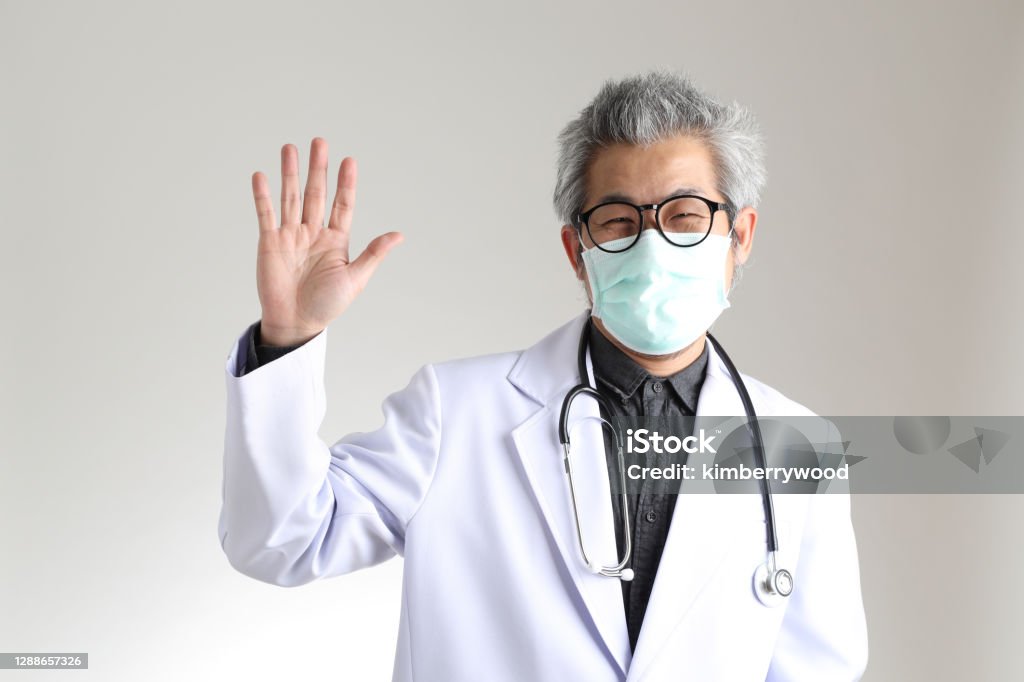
884, 280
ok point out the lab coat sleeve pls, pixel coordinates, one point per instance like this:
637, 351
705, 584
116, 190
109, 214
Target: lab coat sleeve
824, 631
295, 510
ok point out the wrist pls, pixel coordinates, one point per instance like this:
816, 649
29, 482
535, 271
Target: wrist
277, 335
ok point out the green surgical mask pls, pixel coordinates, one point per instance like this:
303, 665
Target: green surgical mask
657, 298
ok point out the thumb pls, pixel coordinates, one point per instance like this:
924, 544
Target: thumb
367, 262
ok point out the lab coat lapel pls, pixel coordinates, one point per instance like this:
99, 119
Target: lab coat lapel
546, 372
702, 531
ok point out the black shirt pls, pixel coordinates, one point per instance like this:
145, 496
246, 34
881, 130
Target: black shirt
632, 392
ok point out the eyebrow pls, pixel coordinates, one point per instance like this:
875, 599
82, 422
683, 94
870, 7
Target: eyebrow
617, 196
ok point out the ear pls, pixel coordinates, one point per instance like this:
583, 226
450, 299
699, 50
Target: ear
571, 244
745, 225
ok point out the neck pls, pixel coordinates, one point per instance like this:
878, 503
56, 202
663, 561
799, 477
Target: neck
658, 365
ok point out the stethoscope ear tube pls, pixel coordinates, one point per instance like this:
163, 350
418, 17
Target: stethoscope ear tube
619, 570
563, 418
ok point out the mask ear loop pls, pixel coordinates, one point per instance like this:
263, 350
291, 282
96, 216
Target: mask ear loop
732, 225
733, 245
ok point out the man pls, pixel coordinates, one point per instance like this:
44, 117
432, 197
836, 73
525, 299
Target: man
657, 189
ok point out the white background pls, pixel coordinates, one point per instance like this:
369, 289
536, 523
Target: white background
885, 280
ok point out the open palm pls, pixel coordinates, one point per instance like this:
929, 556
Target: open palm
304, 275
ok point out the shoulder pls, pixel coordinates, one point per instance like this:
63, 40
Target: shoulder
539, 370
489, 366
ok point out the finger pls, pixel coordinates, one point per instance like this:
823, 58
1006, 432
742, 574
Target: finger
315, 198
344, 197
264, 204
291, 208
364, 266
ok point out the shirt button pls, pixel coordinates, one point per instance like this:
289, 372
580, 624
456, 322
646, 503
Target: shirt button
651, 516
656, 387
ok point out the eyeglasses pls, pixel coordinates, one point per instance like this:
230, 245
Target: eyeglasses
687, 222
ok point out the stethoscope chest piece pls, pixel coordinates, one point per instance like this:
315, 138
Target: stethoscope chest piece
772, 586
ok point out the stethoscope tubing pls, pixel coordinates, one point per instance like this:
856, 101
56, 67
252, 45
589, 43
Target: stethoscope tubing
755, 435
585, 387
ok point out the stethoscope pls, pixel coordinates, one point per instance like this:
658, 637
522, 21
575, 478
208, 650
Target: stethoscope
771, 584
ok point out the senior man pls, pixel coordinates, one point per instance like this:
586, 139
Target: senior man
657, 191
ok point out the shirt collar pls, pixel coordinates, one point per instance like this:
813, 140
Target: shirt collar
617, 371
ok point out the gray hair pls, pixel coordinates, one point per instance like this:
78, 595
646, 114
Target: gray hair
643, 109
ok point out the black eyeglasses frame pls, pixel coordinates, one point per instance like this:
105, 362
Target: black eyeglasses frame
583, 219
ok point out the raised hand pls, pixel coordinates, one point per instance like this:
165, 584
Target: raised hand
304, 276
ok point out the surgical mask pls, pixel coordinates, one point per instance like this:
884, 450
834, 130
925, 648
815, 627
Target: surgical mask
657, 298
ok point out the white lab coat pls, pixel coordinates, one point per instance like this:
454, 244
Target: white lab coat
465, 480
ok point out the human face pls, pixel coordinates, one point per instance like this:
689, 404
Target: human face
647, 175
